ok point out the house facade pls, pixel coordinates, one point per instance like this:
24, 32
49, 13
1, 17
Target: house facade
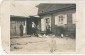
16, 21
58, 15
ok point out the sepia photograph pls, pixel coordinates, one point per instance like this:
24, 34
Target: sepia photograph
43, 27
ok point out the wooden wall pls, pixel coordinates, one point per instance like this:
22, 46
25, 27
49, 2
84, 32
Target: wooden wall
15, 26
70, 28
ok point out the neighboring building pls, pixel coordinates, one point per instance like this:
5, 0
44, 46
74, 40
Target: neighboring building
57, 15
16, 21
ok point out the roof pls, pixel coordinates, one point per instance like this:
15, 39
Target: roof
46, 8
13, 16
20, 9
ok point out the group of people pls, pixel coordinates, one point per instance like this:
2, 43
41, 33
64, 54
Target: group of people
35, 29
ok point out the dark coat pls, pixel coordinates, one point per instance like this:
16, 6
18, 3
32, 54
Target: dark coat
21, 30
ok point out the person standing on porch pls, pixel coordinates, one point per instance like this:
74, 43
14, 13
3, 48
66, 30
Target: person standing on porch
33, 28
21, 30
47, 29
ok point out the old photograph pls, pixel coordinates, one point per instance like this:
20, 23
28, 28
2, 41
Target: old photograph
43, 27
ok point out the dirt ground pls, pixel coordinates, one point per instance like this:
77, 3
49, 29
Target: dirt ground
42, 44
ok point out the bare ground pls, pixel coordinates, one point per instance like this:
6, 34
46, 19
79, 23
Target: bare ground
42, 44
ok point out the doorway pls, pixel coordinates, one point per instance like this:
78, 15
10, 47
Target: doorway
29, 24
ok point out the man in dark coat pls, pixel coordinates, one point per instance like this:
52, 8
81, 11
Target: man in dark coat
21, 30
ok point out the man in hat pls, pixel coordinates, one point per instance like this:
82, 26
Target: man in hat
21, 30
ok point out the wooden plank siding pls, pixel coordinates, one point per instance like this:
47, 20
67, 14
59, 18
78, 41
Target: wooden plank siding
15, 22
68, 10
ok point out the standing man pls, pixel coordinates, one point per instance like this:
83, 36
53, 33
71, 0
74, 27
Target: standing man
47, 29
21, 30
33, 28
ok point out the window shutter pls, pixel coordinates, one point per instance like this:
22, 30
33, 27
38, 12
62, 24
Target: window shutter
56, 20
43, 25
65, 19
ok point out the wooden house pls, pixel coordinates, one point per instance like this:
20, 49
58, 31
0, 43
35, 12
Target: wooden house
57, 15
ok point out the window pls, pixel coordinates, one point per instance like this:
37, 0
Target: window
60, 19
